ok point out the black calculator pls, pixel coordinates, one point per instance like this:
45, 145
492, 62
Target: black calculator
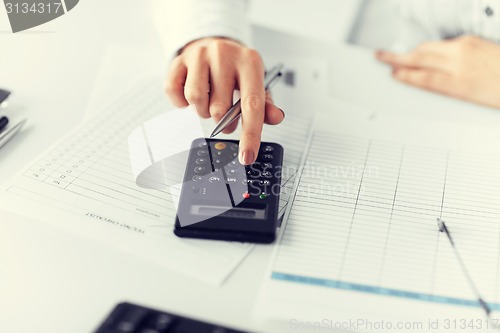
222, 199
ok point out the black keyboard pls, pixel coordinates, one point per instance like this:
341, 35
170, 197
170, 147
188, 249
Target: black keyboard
131, 318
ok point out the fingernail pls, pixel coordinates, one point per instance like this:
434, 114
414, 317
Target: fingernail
246, 157
284, 114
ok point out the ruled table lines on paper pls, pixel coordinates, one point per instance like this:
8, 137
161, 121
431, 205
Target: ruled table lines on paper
364, 220
94, 162
85, 184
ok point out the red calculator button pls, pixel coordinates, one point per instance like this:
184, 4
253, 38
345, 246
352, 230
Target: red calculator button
246, 195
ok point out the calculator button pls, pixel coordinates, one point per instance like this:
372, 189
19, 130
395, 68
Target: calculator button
249, 181
232, 180
202, 153
214, 179
266, 174
220, 146
267, 149
262, 196
197, 178
218, 153
132, 319
253, 173
201, 161
162, 322
202, 144
234, 154
234, 146
266, 166
232, 171
246, 195
267, 157
265, 183
199, 190
199, 169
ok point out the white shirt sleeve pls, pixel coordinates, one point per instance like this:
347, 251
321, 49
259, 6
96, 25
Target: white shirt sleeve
438, 19
182, 21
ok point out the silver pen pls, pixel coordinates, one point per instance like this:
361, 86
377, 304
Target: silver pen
234, 112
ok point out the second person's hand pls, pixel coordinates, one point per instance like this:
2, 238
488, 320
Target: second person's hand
206, 73
466, 67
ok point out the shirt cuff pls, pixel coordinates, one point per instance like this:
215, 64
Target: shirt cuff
181, 24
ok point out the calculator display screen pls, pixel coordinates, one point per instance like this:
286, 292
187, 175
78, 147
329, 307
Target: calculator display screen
240, 212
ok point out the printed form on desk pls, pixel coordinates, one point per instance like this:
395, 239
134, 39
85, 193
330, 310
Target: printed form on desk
85, 184
361, 246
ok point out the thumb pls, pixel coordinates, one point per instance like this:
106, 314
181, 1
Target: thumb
273, 114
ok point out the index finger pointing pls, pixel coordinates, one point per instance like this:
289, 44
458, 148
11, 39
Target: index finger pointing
253, 97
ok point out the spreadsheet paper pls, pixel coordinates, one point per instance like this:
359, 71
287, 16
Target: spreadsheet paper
361, 237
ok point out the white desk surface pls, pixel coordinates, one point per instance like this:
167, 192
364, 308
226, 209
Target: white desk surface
54, 282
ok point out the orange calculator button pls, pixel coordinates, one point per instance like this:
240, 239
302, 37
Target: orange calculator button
220, 146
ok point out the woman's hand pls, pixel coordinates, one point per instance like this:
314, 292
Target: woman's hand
206, 73
466, 67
